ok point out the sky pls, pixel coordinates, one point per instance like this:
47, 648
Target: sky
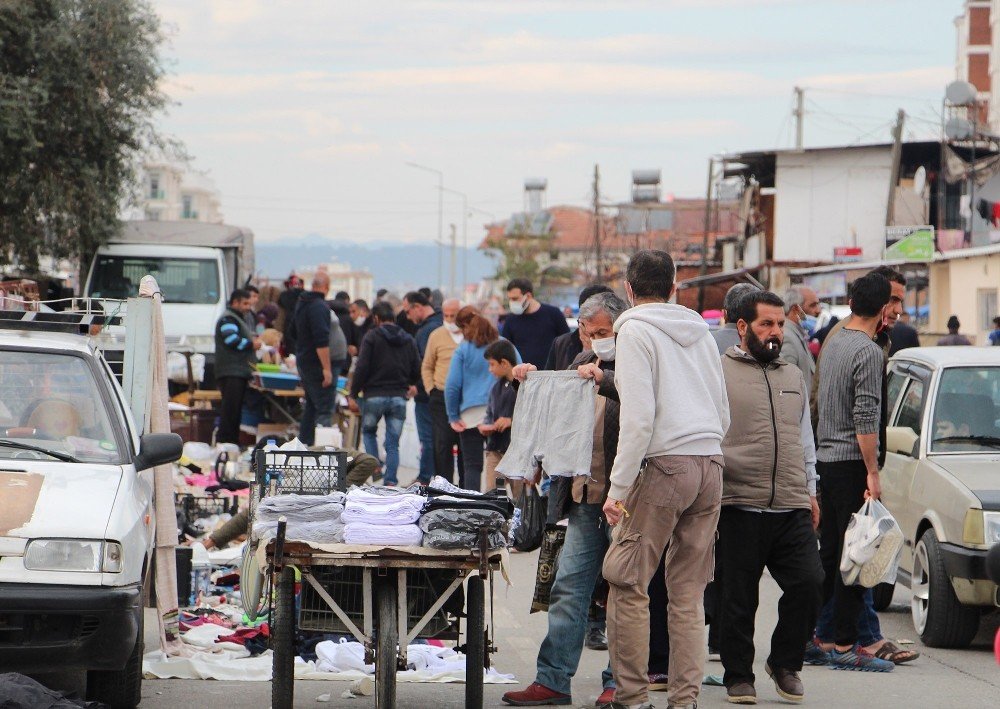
305, 113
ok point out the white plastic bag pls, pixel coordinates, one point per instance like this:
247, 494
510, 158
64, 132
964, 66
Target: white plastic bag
873, 545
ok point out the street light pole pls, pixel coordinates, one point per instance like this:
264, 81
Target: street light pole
440, 236
465, 234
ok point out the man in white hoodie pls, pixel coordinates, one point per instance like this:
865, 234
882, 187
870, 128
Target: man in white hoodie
666, 482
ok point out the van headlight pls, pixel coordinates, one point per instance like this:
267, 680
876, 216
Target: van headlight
73, 555
991, 528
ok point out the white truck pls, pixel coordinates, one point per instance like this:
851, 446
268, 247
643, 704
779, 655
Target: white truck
197, 266
76, 510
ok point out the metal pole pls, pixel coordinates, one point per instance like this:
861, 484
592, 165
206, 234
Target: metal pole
451, 282
799, 113
440, 223
704, 238
465, 245
897, 152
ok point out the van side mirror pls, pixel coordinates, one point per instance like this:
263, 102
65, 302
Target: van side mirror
157, 449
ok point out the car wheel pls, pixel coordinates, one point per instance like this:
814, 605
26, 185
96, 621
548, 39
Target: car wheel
882, 595
938, 616
120, 689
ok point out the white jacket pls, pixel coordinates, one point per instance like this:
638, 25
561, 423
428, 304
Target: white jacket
673, 395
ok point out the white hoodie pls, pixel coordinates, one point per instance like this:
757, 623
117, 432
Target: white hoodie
673, 395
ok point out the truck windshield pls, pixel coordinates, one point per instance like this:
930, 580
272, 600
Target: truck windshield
180, 280
967, 411
51, 402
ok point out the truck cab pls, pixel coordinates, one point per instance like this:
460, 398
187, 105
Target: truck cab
77, 520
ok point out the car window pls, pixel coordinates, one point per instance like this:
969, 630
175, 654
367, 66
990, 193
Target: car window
896, 382
967, 410
53, 401
912, 406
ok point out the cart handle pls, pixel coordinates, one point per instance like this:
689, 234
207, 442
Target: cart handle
279, 542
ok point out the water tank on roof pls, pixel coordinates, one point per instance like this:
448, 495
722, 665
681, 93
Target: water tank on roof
645, 177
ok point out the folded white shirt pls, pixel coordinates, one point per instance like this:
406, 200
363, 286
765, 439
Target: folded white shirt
400, 534
399, 509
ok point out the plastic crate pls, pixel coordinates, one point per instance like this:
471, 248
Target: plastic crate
344, 584
195, 507
280, 381
301, 472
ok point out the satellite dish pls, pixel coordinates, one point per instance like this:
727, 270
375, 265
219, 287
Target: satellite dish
960, 93
958, 129
920, 180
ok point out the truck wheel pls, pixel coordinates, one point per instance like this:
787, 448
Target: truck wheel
283, 661
938, 616
120, 689
475, 642
385, 646
882, 595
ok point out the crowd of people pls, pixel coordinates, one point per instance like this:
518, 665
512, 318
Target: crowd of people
716, 454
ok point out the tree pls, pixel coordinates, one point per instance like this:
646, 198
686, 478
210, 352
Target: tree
517, 253
79, 90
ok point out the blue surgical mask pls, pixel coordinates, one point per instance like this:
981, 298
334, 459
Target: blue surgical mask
809, 323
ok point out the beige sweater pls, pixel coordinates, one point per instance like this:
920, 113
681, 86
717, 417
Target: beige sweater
437, 359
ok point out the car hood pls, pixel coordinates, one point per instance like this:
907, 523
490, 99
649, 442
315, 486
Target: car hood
978, 472
56, 499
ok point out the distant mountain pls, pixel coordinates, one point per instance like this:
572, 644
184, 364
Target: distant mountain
396, 266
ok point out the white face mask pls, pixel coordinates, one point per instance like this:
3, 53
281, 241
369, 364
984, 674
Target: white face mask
604, 348
360, 320
453, 328
517, 307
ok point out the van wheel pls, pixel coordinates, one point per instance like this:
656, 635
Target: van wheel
938, 616
120, 689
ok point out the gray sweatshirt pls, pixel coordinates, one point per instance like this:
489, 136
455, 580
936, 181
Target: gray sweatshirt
850, 394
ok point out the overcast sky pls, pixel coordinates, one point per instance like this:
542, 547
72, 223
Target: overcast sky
304, 112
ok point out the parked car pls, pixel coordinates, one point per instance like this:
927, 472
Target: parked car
941, 480
76, 519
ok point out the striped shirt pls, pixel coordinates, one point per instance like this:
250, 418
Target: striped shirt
850, 394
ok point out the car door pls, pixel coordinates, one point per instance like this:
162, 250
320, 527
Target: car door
904, 431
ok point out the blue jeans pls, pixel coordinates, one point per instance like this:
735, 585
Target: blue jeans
318, 407
425, 432
393, 408
587, 538
869, 629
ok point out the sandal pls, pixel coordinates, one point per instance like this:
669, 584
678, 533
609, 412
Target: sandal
895, 654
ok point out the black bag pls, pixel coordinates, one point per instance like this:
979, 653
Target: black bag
533, 507
548, 565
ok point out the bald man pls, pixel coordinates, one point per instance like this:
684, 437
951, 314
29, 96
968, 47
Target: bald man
311, 326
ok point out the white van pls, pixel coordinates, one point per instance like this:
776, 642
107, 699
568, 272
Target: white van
76, 518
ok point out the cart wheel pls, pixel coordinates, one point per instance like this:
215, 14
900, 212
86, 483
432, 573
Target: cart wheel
283, 663
385, 648
475, 642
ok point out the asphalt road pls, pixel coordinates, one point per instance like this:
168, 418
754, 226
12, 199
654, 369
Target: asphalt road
939, 678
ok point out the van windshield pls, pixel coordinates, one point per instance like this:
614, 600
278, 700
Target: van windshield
52, 402
180, 280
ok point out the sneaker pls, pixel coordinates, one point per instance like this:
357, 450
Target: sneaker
741, 693
658, 682
646, 705
787, 683
597, 639
606, 699
859, 659
815, 654
537, 695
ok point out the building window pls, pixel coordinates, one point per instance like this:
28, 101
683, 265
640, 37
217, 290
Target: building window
153, 215
987, 301
187, 210
154, 186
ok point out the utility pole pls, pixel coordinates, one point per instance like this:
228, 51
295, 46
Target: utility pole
454, 248
704, 238
800, 114
599, 265
897, 153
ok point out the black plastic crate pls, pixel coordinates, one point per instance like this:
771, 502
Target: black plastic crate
195, 507
345, 585
301, 472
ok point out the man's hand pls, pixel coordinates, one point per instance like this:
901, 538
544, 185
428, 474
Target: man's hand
352, 350
874, 490
457, 426
352, 405
486, 428
814, 504
411, 392
520, 372
591, 371
502, 423
613, 510
257, 343
327, 378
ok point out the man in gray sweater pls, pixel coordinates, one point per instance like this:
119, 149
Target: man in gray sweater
850, 395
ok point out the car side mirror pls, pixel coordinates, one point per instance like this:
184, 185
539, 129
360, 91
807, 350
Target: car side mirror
915, 453
157, 449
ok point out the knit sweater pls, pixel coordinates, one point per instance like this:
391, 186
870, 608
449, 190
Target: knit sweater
437, 358
850, 394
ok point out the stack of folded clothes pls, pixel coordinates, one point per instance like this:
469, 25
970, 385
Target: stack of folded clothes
310, 518
453, 518
382, 516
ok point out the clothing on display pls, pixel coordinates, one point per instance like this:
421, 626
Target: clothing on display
553, 423
310, 518
391, 534
375, 509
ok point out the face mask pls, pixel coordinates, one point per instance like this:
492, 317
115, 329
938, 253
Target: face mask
809, 323
517, 307
452, 327
604, 348
359, 321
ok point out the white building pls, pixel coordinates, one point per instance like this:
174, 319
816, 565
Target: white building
357, 283
169, 193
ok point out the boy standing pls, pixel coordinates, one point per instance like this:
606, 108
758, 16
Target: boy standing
501, 357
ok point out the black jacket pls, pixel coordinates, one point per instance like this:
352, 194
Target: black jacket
901, 337
565, 349
310, 329
388, 363
234, 353
358, 332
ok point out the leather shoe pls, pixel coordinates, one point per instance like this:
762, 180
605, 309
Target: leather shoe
787, 683
537, 695
741, 693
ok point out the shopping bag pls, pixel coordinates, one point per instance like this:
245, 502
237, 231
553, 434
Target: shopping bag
531, 523
548, 564
873, 544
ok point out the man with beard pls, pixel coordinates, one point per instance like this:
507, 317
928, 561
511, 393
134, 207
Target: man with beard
769, 509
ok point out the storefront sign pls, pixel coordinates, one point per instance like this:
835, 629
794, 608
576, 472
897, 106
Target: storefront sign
847, 254
910, 243
827, 285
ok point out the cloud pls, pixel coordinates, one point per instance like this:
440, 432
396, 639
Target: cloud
340, 150
887, 82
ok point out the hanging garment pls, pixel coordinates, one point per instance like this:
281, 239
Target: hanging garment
554, 424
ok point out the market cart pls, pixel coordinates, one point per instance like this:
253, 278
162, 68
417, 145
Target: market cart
384, 596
